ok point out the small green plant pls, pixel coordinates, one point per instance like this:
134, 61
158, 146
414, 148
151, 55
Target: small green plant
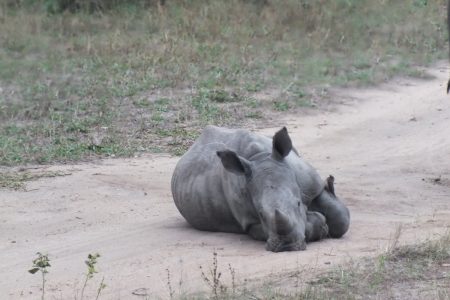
421, 3
281, 106
222, 96
208, 111
91, 262
41, 263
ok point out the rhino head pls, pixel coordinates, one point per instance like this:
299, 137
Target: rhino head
274, 192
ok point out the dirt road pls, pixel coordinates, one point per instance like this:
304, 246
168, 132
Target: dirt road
388, 147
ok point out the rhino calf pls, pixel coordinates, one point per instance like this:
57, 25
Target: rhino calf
240, 182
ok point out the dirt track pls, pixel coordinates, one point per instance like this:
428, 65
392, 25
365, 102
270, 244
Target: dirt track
388, 147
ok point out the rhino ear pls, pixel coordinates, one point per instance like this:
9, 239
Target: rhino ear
233, 163
283, 225
329, 186
282, 144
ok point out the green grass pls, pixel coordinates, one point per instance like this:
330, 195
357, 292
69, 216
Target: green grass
17, 180
130, 80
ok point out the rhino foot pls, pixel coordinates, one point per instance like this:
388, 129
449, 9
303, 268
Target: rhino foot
316, 226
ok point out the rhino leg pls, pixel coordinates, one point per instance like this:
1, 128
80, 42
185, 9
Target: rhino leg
316, 226
256, 232
335, 212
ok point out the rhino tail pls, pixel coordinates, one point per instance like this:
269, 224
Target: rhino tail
329, 186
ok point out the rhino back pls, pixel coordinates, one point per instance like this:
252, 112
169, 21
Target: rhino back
241, 141
208, 196
198, 192
309, 180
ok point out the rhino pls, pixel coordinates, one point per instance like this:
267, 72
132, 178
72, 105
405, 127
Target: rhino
233, 180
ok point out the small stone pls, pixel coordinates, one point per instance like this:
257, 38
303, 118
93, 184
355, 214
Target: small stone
140, 292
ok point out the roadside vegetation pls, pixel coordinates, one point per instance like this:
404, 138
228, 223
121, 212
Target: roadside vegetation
402, 272
17, 178
41, 264
126, 78
418, 271
407, 272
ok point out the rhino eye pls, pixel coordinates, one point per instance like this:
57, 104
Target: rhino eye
298, 203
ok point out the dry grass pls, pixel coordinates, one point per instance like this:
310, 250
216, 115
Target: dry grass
132, 79
404, 272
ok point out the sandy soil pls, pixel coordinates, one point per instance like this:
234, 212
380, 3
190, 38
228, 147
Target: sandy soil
388, 147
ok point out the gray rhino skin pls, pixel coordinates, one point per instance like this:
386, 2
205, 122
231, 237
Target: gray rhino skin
316, 226
237, 181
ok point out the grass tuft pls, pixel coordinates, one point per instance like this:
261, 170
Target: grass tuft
17, 180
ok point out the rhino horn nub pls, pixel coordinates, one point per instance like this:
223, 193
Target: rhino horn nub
283, 225
282, 144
